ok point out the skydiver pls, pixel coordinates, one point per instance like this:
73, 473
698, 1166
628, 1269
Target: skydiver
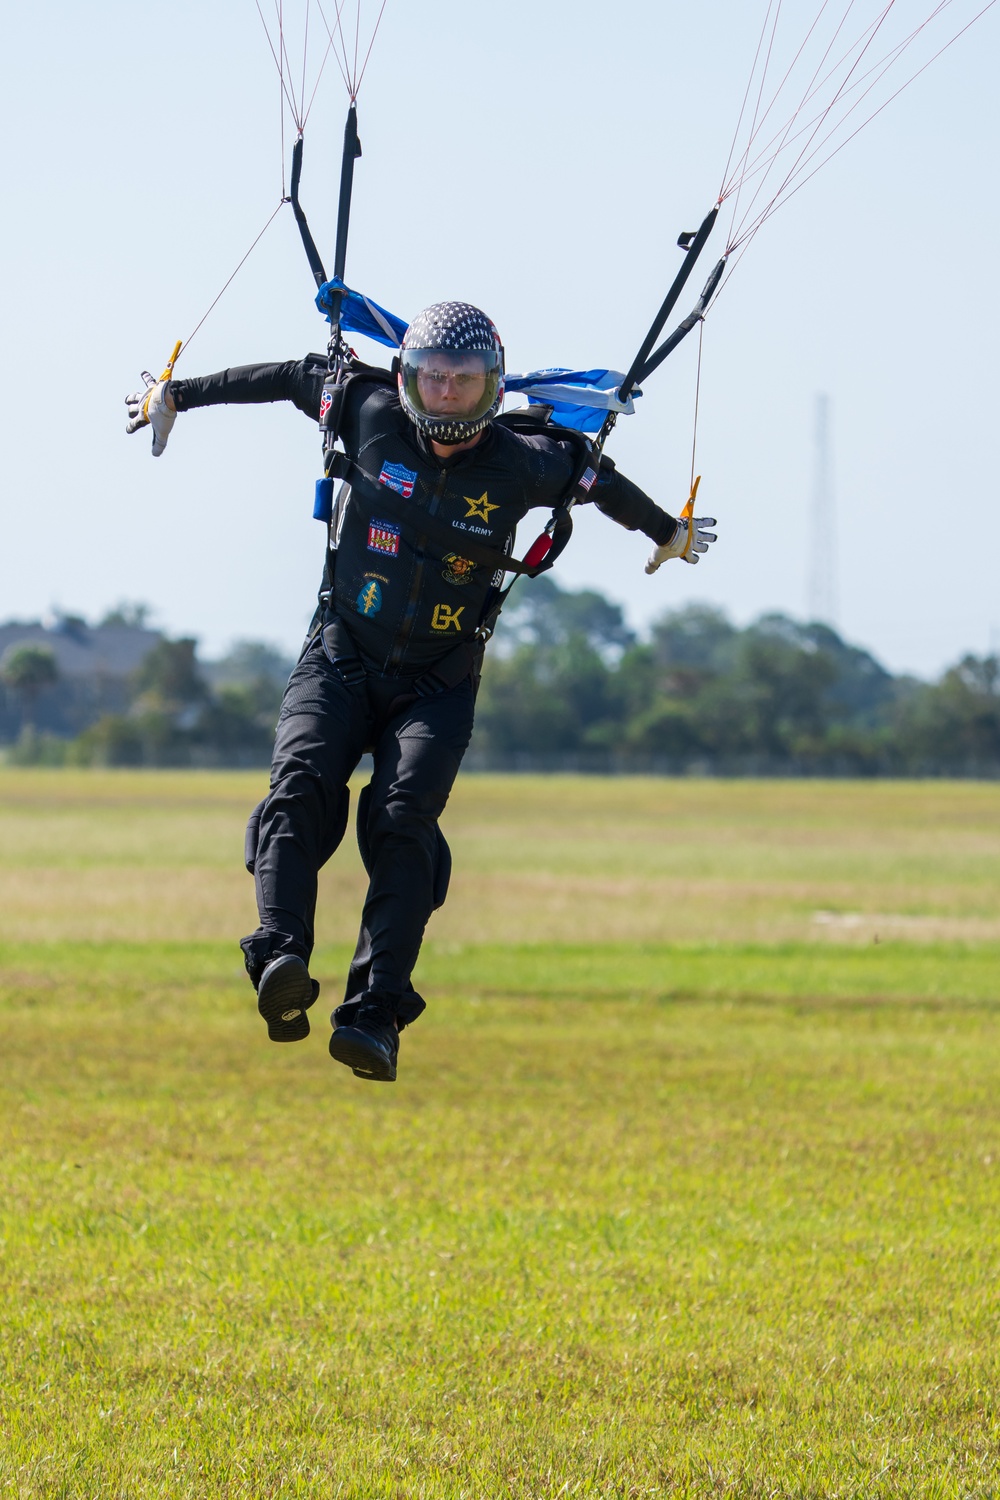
392, 657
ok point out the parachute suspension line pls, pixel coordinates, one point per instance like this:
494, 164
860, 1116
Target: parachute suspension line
697, 399
346, 55
294, 95
239, 268
687, 513
743, 106
305, 54
286, 89
870, 33
742, 171
884, 104
378, 22
844, 79
286, 67
786, 191
323, 61
332, 44
738, 231
744, 167
357, 33
760, 91
771, 152
766, 157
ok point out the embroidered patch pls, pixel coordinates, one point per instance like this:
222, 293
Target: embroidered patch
589, 475
444, 617
479, 508
457, 569
325, 402
369, 601
383, 537
397, 477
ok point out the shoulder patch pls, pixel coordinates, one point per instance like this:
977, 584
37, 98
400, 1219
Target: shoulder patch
399, 478
369, 600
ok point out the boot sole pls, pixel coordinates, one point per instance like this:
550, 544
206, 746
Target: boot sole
354, 1048
284, 996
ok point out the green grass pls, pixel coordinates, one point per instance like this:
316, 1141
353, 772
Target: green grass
689, 1186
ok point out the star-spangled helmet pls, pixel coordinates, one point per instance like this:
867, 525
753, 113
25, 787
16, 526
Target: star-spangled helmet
451, 371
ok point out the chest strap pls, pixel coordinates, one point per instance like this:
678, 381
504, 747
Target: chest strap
430, 526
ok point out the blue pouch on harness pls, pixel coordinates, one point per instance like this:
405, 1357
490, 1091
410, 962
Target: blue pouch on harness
323, 503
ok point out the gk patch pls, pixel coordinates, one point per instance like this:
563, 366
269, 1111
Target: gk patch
444, 617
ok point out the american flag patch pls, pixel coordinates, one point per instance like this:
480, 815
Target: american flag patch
397, 477
383, 538
589, 475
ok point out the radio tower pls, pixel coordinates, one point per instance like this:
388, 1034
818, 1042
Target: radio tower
822, 601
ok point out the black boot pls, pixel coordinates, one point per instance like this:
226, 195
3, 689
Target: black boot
366, 1037
284, 994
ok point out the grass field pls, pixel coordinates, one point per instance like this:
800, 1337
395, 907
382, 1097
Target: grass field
688, 1187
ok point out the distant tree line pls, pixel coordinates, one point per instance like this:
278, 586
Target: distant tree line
176, 711
571, 687
568, 686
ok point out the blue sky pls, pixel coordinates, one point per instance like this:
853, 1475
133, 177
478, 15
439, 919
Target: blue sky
539, 160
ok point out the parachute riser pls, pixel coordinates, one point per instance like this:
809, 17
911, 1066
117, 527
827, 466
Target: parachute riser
692, 244
352, 150
685, 326
644, 363
332, 399
308, 243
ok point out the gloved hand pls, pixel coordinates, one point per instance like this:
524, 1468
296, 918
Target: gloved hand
689, 539
152, 408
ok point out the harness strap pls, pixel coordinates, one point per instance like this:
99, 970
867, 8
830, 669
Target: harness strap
462, 661
453, 668
342, 467
465, 658
341, 652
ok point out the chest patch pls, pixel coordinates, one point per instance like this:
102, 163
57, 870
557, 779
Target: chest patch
369, 601
383, 537
479, 508
457, 569
399, 478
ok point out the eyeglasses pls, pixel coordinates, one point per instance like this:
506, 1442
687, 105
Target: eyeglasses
463, 379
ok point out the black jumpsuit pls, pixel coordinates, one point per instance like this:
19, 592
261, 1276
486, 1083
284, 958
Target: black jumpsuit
400, 599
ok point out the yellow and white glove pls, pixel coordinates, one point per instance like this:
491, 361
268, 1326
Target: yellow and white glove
153, 406
149, 408
690, 538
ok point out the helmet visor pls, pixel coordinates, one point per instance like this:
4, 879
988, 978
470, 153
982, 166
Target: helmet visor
452, 384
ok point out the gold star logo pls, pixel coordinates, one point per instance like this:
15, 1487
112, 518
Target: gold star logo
480, 508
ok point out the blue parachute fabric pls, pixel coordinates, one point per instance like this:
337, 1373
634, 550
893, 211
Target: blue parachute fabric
579, 398
359, 314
